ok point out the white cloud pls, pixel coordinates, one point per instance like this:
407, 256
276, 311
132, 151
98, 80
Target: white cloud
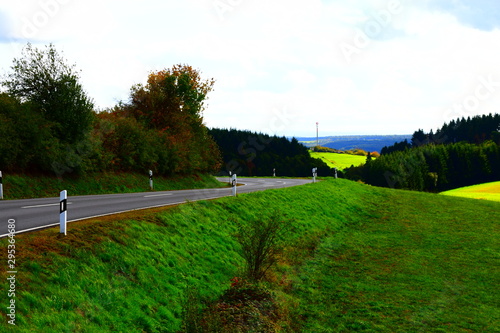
268, 56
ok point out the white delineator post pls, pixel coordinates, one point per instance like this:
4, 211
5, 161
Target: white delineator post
230, 173
151, 179
1, 186
63, 214
233, 184
336, 173
314, 172
274, 172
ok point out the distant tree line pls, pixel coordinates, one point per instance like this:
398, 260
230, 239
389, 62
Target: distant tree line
248, 153
321, 149
477, 129
354, 151
48, 123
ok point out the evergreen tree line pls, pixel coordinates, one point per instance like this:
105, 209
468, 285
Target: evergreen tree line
477, 129
48, 123
248, 153
432, 167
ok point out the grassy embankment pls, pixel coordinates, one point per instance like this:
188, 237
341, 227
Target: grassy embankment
488, 191
339, 161
22, 186
362, 259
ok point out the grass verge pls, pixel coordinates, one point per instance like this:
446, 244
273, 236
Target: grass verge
25, 187
362, 259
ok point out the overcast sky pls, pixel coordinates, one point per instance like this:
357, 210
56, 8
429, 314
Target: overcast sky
356, 67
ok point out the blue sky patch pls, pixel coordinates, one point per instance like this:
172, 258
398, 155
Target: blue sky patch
480, 14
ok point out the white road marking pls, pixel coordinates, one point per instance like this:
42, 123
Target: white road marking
38, 206
157, 195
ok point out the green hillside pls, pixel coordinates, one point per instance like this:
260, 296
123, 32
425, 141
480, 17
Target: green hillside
488, 191
360, 258
339, 161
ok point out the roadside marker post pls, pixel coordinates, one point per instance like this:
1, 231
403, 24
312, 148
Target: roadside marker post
335, 173
233, 184
315, 174
63, 214
274, 172
151, 179
230, 173
1, 186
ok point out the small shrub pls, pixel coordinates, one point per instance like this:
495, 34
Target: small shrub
262, 241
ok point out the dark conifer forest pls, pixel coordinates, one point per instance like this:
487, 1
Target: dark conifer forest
461, 153
255, 154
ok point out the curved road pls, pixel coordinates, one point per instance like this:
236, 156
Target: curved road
32, 214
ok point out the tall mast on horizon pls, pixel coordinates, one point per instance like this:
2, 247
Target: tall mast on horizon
317, 136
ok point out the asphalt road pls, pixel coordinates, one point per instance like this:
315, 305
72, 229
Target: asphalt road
33, 214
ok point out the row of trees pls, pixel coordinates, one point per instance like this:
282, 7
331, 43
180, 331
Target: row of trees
477, 129
433, 167
462, 152
48, 123
255, 154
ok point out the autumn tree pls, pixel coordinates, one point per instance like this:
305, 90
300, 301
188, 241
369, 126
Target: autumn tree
172, 103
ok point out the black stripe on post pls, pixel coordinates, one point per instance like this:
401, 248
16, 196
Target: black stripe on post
63, 206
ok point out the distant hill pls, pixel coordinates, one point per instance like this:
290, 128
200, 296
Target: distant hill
366, 142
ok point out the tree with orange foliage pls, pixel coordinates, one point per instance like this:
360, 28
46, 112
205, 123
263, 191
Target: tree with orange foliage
172, 102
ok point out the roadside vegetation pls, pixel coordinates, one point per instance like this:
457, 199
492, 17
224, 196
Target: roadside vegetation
50, 126
28, 187
353, 258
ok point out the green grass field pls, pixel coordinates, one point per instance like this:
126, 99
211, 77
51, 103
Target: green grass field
360, 258
488, 191
339, 161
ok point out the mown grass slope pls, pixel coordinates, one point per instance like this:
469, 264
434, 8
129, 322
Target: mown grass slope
339, 161
488, 191
360, 259
418, 263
